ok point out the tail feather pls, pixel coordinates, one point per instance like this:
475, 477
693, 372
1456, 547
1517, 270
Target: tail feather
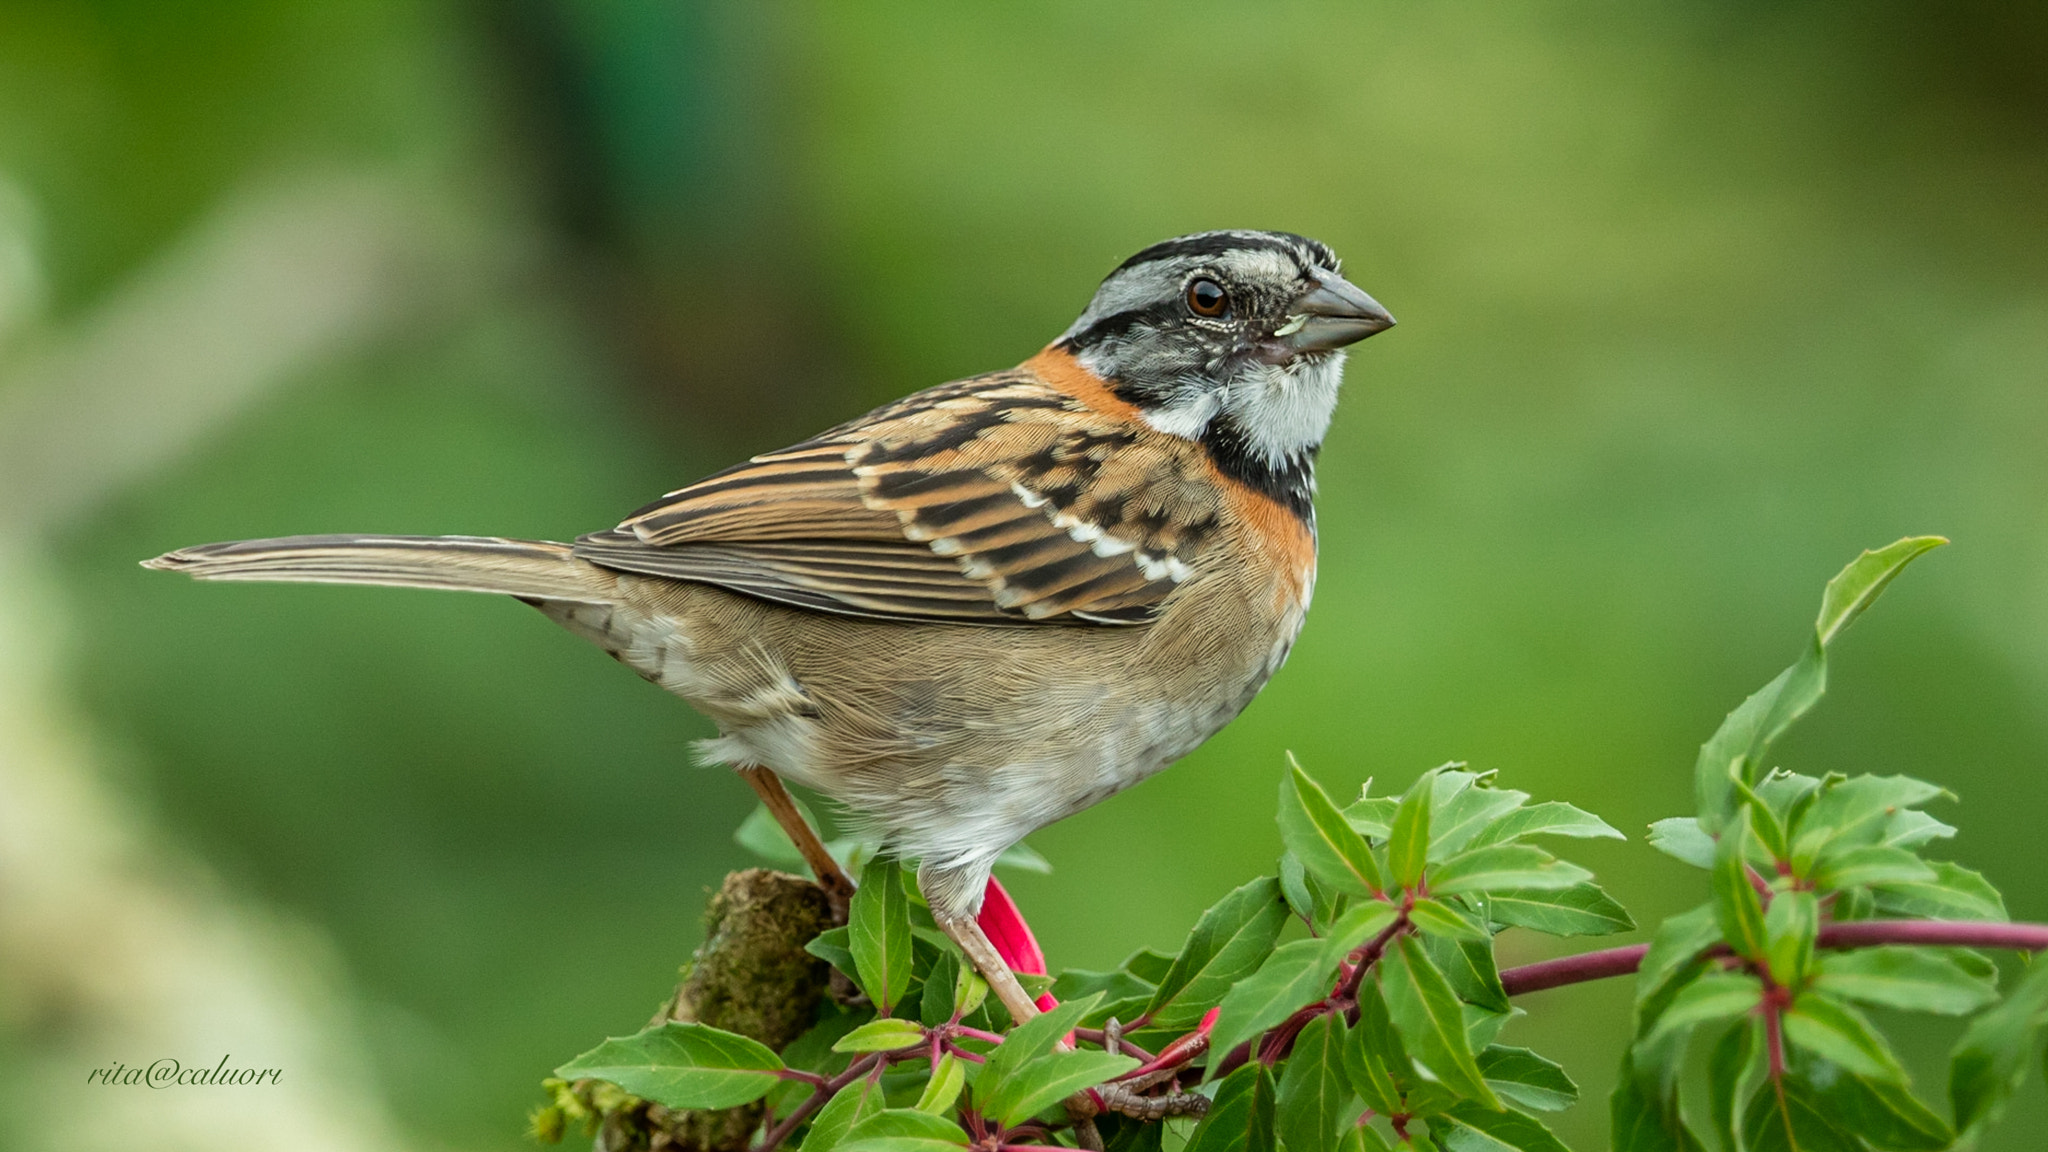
529, 569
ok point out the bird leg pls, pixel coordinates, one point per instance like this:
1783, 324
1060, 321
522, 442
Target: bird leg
965, 932
838, 888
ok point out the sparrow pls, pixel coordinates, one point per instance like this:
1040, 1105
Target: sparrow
984, 607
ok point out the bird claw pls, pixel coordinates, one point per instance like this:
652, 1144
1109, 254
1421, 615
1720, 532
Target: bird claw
1124, 1102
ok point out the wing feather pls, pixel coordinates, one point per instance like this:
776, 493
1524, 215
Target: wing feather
994, 500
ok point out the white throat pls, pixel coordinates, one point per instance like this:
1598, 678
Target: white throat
1284, 411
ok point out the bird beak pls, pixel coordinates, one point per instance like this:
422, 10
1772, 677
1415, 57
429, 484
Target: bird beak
1329, 316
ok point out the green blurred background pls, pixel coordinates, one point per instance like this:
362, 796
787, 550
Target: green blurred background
1697, 299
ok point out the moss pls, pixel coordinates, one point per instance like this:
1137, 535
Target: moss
753, 977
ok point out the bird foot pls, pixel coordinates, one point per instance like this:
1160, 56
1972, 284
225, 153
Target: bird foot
974, 943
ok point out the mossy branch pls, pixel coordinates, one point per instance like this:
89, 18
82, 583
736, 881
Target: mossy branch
752, 977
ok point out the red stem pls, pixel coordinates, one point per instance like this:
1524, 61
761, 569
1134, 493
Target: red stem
824, 1092
1954, 933
1852, 934
1095, 1036
1573, 969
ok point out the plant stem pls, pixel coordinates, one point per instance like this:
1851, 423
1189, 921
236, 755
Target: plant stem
1573, 969
781, 805
1365, 957
1852, 934
1951, 933
825, 1091
1095, 1036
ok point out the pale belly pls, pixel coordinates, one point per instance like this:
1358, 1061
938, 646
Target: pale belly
952, 742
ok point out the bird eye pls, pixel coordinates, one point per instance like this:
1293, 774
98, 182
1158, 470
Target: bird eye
1207, 298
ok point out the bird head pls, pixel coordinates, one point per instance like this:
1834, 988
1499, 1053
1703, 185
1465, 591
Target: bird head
1233, 339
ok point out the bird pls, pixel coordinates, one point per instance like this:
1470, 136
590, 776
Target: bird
986, 606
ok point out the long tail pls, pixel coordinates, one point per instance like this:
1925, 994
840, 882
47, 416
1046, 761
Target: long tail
529, 569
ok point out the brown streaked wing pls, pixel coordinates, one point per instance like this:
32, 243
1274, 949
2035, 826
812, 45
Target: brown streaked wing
997, 499
1059, 508
800, 493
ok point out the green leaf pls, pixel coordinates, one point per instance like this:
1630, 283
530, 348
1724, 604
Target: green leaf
1839, 1034
1227, 944
1991, 1059
812, 1052
1871, 864
1361, 925
1504, 866
1114, 985
878, 934
1910, 979
1029, 1041
681, 1066
1955, 893
1469, 966
881, 1036
1294, 886
1325, 903
1482, 1025
944, 1087
761, 835
1408, 837
1681, 838
1296, 974
853, 1104
1790, 925
1856, 812
830, 946
1787, 795
1580, 910
1858, 586
904, 1130
1736, 903
1372, 816
1313, 1089
1123, 1134
1800, 1125
1439, 919
1362, 1138
1432, 1025
1047, 1080
1520, 1076
969, 990
1731, 756
941, 989
1643, 1114
1373, 1056
1713, 997
1770, 832
1885, 1115
1024, 858
1470, 1128
1733, 1072
1242, 1117
1550, 818
1314, 830
1149, 966
1673, 957
1465, 813
1910, 829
